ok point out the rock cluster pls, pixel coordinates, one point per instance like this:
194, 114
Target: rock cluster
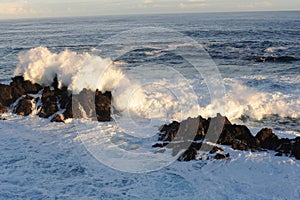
50, 101
202, 132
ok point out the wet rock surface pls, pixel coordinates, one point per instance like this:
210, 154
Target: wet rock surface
25, 106
202, 133
53, 102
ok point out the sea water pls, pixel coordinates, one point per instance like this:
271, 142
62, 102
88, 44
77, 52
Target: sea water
159, 68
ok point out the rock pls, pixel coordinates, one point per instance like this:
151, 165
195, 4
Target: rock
296, 148
24, 106
267, 139
68, 111
58, 118
188, 155
238, 136
17, 88
3, 109
86, 104
103, 106
216, 149
221, 156
49, 103
176, 135
284, 146
278, 154
6, 98
168, 131
21, 87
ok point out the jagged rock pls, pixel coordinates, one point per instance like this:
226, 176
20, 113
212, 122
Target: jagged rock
21, 87
278, 154
175, 136
103, 106
296, 148
24, 106
169, 131
6, 98
267, 139
238, 136
3, 109
87, 104
284, 146
68, 110
221, 156
188, 155
17, 88
180, 136
58, 118
216, 149
49, 103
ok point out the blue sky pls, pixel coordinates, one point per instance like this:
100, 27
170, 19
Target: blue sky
57, 8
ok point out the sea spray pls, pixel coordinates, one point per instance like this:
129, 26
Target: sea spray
165, 99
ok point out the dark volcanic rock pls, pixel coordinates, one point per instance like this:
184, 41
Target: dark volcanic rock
219, 130
238, 136
21, 87
103, 106
188, 155
284, 146
169, 131
24, 106
17, 88
89, 104
6, 98
3, 109
215, 150
86, 104
49, 103
58, 118
221, 156
296, 148
267, 139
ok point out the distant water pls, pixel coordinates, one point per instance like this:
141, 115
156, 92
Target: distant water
257, 54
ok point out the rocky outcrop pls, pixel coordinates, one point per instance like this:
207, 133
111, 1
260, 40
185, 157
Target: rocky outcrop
17, 88
6, 98
25, 106
103, 106
59, 104
219, 130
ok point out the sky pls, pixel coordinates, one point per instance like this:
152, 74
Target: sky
10, 9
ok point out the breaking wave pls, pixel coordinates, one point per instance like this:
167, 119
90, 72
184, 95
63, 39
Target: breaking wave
162, 99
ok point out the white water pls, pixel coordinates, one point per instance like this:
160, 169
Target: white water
145, 93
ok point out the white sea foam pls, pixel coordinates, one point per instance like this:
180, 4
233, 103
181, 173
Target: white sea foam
273, 49
242, 100
77, 71
137, 96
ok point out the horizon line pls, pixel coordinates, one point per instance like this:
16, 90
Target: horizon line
145, 14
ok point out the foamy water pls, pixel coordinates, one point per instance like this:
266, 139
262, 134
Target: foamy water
147, 94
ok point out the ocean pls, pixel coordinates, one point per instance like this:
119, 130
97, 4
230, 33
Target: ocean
159, 68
